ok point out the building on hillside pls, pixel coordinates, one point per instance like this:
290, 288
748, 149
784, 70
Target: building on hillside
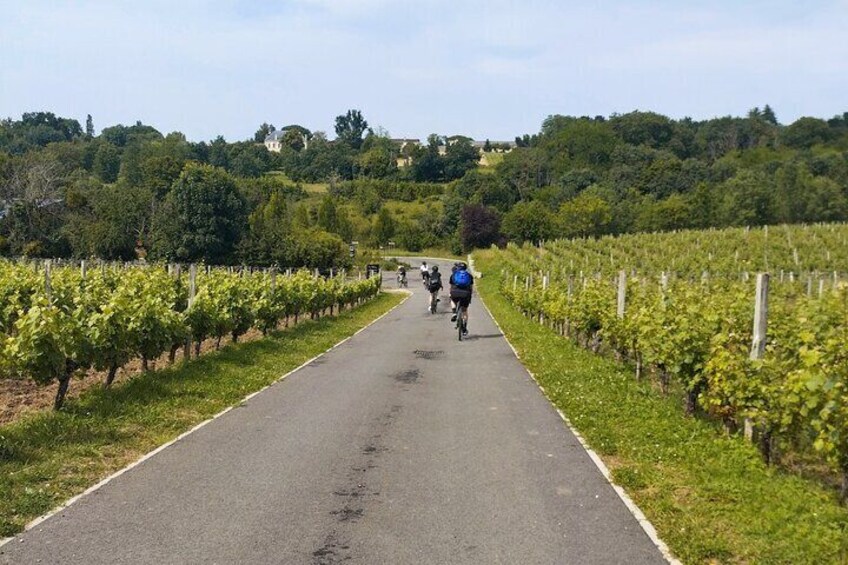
274, 140
404, 146
402, 143
495, 146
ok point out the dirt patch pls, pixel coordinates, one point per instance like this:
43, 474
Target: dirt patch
19, 397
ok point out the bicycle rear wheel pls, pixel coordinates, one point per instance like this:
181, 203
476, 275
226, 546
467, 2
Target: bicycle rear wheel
460, 325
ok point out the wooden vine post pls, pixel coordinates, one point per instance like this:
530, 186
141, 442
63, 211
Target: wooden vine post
192, 291
622, 294
758, 343
48, 287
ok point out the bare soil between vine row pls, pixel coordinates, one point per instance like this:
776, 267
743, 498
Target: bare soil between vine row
22, 397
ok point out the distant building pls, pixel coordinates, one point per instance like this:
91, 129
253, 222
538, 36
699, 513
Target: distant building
497, 146
403, 142
274, 140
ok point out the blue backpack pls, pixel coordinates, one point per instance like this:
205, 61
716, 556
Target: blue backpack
462, 279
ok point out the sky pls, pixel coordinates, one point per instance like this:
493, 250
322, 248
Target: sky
488, 69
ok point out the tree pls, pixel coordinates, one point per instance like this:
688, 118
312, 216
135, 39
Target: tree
378, 159
644, 128
107, 162
130, 169
578, 143
460, 157
269, 240
769, 116
219, 156
350, 127
384, 227
748, 200
479, 226
328, 217
585, 215
806, 132
427, 164
201, 218
264, 131
117, 225
159, 173
89, 126
529, 221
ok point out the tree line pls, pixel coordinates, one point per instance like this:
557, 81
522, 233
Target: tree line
642, 171
132, 191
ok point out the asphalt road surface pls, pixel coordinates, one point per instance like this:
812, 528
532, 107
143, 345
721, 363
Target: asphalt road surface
401, 446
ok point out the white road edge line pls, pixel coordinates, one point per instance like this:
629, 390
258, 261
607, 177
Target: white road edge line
164, 446
637, 513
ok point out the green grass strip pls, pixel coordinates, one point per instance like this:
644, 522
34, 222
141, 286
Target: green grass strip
710, 497
50, 457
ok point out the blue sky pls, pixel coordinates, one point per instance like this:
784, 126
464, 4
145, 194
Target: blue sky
489, 69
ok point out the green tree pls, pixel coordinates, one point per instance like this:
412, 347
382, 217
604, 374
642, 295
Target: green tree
806, 132
202, 217
130, 169
89, 126
460, 157
350, 127
585, 215
264, 131
384, 227
378, 159
328, 217
107, 162
529, 221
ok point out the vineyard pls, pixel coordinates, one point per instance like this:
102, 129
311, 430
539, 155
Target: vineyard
751, 324
58, 322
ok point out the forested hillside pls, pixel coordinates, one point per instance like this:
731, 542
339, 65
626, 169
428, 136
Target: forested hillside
131, 191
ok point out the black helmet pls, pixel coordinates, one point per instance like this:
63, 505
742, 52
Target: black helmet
461, 266
435, 268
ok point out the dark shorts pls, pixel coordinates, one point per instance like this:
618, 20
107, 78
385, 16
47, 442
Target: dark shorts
462, 298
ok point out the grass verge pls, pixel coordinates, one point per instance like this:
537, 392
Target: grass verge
48, 458
710, 497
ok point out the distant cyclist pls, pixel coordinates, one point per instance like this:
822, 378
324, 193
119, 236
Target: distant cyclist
425, 273
434, 287
401, 276
461, 288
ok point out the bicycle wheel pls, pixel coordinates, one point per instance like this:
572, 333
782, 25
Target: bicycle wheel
459, 323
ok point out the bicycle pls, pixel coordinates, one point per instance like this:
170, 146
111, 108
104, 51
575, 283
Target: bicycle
434, 299
402, 282
460, 322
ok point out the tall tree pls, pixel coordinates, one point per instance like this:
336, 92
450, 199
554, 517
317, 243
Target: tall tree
264, 131
384, 227
350, 128
107, 162
202, 217
89, 126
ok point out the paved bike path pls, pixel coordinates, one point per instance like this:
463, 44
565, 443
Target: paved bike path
400, 446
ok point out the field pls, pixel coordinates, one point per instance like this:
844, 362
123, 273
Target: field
58, 322
709, 494
760, 354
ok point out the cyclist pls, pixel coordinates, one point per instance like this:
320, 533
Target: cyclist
425, 273
434, 287
401, 275
461, 287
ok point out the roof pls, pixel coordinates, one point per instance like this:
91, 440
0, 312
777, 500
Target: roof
483, 143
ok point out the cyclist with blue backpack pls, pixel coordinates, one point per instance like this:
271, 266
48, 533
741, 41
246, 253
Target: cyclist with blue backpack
461, 287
